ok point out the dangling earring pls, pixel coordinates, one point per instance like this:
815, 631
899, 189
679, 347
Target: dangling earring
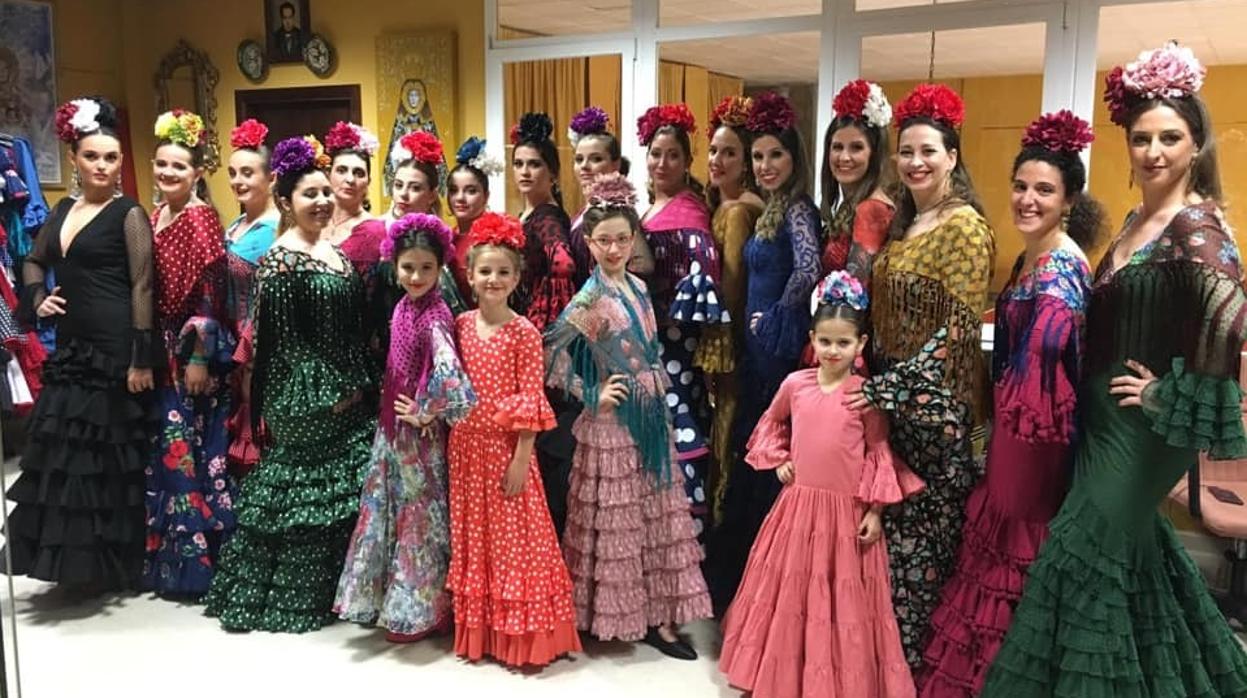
75, 185
117, 191
1130, 183
1065, 221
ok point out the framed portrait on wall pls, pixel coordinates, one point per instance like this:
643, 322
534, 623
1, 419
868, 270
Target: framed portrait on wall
287, 26
28, 82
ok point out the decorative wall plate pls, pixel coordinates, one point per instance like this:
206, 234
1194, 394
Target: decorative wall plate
318, 56
251, 60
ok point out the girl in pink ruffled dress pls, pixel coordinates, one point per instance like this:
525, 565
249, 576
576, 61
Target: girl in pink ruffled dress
813, 615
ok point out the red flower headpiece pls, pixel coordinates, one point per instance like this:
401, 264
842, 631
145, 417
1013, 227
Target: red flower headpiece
654, 118
347, 136
497, 229
771, 113
420, 146
248, 134
733, 111
1060, 132
863, 101
936, 102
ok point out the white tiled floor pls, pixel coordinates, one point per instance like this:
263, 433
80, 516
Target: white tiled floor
142, 646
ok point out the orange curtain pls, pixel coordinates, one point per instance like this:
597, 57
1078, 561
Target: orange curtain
558, 88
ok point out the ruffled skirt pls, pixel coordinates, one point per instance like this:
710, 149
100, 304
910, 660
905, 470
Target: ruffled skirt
813, 617
631, 548
78, 518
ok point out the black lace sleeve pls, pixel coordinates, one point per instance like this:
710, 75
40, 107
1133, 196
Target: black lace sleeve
34, 271
138, 231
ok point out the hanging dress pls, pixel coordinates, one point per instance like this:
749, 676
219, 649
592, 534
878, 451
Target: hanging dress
1037, 359
78, 514
190, 495
1113, 605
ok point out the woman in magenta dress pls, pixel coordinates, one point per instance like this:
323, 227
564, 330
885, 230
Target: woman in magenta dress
190, 496
813, 616
678, 259
1037, 361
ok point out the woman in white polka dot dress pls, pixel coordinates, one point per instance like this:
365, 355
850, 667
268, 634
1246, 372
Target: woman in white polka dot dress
511, 591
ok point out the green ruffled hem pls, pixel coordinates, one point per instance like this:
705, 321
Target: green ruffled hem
1200, 412
308, 484
1108, 614
281, 584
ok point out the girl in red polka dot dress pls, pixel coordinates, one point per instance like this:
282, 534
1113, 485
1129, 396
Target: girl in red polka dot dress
511, 590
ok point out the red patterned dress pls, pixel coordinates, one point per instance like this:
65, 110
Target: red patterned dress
512, 593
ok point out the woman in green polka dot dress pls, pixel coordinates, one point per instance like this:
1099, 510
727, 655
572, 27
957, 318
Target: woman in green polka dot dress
298, 507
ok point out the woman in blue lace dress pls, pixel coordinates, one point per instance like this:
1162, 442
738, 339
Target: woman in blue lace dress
782, 261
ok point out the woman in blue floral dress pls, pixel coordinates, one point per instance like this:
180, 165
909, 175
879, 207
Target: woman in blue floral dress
395, 572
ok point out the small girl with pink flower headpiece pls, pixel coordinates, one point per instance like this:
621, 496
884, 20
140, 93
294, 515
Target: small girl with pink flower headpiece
395, 570
630, 543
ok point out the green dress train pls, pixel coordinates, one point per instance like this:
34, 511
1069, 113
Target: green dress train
1114, 606
298, 507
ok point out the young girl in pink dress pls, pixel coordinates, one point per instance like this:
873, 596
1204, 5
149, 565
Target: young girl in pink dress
512, 594
813, 615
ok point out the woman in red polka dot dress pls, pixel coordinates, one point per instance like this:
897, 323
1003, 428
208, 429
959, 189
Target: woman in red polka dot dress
512, 593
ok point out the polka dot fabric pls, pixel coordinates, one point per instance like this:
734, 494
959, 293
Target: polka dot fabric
512, 593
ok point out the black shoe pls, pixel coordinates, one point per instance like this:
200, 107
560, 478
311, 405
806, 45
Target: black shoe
676, 650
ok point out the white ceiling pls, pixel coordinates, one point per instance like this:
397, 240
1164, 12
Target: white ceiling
1213, 28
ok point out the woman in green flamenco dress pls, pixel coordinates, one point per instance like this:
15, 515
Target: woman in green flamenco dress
1113, 605
297, 508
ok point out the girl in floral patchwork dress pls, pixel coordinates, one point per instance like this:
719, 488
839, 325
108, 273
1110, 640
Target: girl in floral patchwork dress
395, 572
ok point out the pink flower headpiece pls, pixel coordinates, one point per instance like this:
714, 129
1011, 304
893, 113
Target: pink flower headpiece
612, 190
654, 118
1060, 132
933, 101
771, 113
413, 223
420, 146
839, 288
1171, 71
348, 136
248, 134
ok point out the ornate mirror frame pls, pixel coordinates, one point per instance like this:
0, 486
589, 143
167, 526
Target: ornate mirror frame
206, 77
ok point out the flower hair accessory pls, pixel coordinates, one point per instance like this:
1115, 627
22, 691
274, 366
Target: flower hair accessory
654, 118
420, 146
1060, 132
771, 113
180, 126
612, 190
76, 118
533, 127
348, 136
589, 122
839, 288
1171, 71
732, 110
248, 134
298, 154
413, 223
864, 101
497, 229
473, 154
937, 102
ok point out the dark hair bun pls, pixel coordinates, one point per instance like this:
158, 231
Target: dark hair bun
535, 127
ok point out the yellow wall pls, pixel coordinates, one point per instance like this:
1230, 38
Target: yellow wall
999, 108
149, 28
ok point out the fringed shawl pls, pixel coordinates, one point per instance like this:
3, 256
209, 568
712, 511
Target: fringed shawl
937, 280
600, 334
